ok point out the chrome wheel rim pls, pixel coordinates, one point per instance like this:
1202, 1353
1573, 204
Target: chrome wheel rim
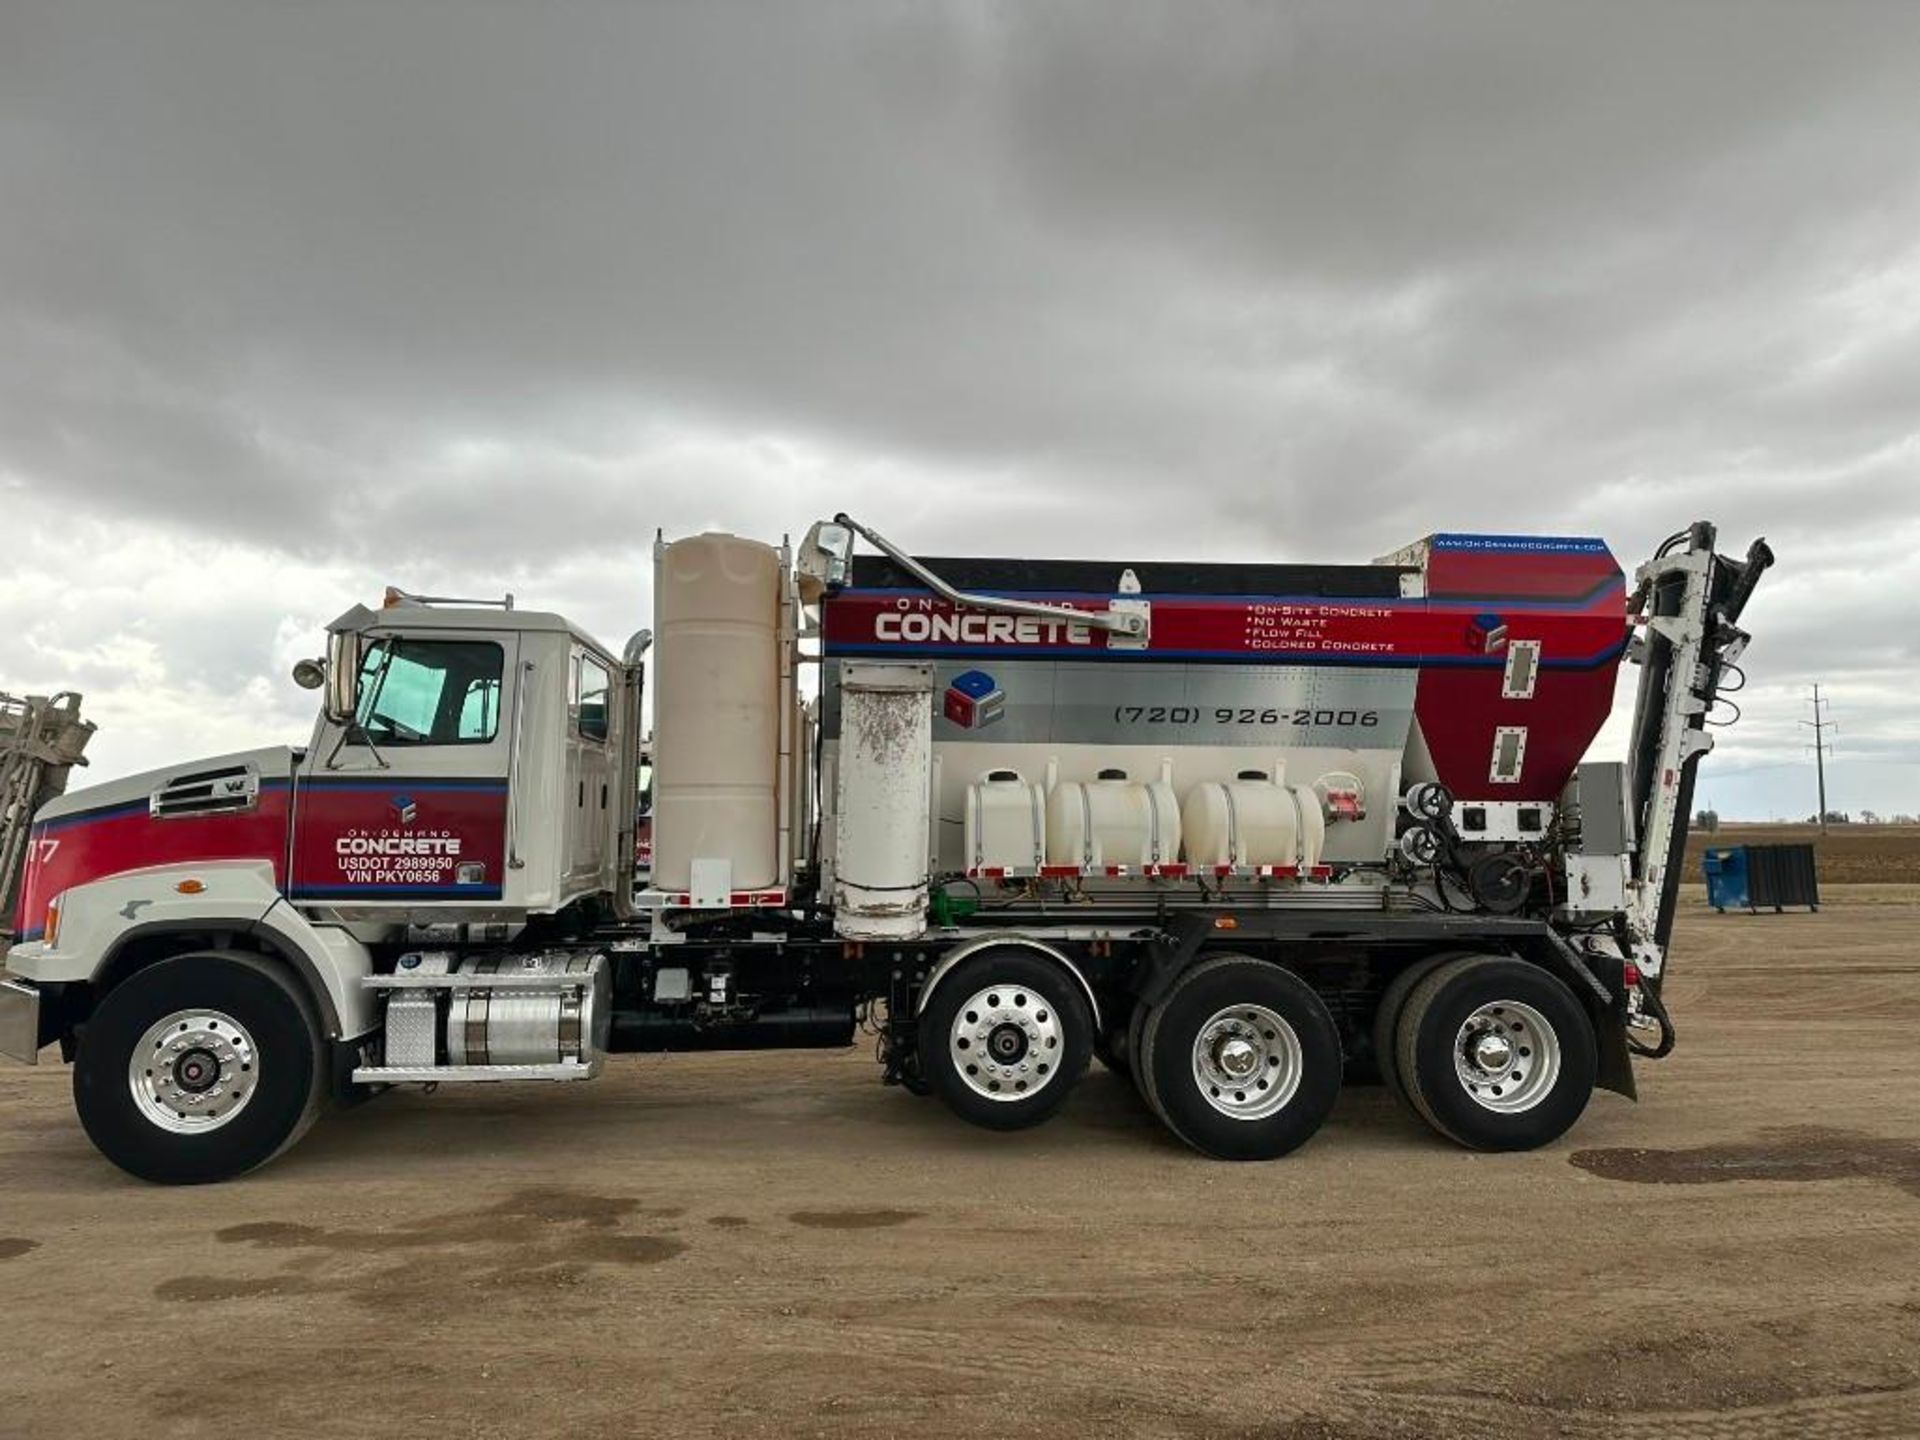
1507, 1057
193, 1071
1006, 1042
1247, 1062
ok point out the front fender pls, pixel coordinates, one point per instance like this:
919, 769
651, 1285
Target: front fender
98, 919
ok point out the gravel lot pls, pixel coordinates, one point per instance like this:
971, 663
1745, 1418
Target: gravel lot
775, 1245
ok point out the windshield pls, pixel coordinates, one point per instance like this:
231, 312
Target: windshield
430, 692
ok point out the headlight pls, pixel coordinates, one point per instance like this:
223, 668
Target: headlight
50, 932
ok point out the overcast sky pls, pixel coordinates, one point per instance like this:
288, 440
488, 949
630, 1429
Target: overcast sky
297, 300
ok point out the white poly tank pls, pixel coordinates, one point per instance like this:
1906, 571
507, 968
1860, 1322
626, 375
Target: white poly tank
1112, 821
1006, 822
1252, 821
716, 687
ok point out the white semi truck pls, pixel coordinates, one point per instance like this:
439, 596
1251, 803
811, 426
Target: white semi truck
1242, 831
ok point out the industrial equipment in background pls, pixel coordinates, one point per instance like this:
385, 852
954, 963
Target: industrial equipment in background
1241, 830
41, 739
1759, 877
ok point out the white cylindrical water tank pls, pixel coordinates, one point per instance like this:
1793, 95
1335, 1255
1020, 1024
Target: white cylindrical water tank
1250, 821
1112, 821
883, 801
716, 679
1006, 822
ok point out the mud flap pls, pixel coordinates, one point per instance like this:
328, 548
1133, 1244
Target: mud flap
1616, 1064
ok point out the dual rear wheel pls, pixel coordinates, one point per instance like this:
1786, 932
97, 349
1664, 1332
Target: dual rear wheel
1241, 1059
1493, 1053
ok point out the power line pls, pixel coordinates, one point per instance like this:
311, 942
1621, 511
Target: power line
1822, 748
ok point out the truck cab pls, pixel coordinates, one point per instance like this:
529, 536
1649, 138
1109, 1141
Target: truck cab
472, 773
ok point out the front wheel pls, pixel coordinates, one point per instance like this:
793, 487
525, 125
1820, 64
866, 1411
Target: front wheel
1496, 1054
198, 1068
1241, 1060
1005, 1037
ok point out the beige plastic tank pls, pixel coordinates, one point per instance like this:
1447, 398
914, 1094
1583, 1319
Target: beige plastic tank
1112, 821
1253, 820
716, 686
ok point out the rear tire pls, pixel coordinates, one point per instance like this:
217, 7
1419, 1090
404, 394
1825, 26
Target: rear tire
199, 1068
1006, 1037
1142, 1076
1386, 1025
1496, 1054
1241, 1060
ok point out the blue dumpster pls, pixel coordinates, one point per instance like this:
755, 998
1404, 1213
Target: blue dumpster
1747, 877
1726, 877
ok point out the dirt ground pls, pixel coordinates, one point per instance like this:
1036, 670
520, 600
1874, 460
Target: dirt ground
775, 1245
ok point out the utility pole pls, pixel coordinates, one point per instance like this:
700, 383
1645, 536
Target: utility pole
1820, 724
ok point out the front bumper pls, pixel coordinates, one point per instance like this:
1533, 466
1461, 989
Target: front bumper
19, 1022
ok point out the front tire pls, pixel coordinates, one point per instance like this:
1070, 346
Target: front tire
1005, 1038
1496, 1054
198, 1068
1241, 1060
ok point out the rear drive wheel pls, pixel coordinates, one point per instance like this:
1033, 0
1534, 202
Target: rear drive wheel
1142, 1076
1496, 1054
1241, 1060
198, 1068
1386, 1023
1006, 1036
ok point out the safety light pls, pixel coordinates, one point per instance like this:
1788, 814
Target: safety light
191, 886
50, 932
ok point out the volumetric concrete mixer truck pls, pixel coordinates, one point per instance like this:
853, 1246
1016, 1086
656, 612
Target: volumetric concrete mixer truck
1239, 830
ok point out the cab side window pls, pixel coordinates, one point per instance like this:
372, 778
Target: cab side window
589, 687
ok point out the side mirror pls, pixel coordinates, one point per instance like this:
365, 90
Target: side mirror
342, 675
310, 674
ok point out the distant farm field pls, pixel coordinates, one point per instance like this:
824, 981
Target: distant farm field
1845, 855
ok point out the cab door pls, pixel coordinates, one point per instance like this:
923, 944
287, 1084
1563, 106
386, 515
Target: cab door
408, 804
590, 769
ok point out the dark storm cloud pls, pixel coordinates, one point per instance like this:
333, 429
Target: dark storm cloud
481, 294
